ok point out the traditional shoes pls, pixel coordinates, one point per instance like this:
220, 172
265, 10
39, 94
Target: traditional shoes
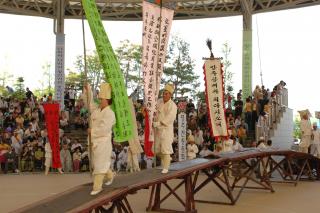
164, 171
95, 192
109, 182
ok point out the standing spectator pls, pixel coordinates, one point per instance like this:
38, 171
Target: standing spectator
63, 119
122, 159
27, 157
38, 158
29, 94
66, 159
20, 120
315, 143
85, 160
72, 96
3, 150
16, 142
248, 113
198, 137
242, 134
306, 132
238, 104
76, 160
192, 148
190, 106
11, 161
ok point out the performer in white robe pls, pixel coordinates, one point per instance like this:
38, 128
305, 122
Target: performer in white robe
166, 114
315, 143
102, 120
306, 132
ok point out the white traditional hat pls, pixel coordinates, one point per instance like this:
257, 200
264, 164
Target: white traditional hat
105, 91
190, 138
169, 88
261, 138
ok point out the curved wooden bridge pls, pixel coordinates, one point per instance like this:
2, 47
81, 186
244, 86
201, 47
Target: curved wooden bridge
232, 173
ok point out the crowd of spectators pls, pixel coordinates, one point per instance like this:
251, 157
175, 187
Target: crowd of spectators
23, 136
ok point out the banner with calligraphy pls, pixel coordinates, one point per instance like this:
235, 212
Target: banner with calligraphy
51, 112
215, 98
59, 80
156, 29
123, 129
182, 130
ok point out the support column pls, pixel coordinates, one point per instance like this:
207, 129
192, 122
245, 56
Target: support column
246, 6
59, 82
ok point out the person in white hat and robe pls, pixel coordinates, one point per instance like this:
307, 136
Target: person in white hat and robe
315, 142
306, 132
166, 114
102, 121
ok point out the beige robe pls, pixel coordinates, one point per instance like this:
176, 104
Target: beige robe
166, 114
101, 133
306, 130
192, 151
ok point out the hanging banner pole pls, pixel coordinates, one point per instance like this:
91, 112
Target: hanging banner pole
156, 29
123, 129
215, 97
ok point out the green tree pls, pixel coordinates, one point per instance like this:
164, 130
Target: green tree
5, 78
179, 68
227, 74
129, 56
296, 127
48, 77
75, 79
94, 69
19, 89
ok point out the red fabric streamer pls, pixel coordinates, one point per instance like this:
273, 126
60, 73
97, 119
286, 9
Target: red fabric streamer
147, 143
52, 125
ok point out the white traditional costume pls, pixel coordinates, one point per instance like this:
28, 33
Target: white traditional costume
315, 143
166, 114
102, 120
306, 132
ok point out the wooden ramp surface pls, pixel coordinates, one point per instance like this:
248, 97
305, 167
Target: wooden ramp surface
79, 199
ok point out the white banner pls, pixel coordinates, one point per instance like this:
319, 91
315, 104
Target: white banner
182, 136
215, 100
59, 71
156, 28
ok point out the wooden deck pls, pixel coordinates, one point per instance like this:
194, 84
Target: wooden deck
293, 167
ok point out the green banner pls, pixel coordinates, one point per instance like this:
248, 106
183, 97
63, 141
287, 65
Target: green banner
123, 130
247, 64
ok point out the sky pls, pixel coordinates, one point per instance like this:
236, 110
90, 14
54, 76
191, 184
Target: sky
288, 40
